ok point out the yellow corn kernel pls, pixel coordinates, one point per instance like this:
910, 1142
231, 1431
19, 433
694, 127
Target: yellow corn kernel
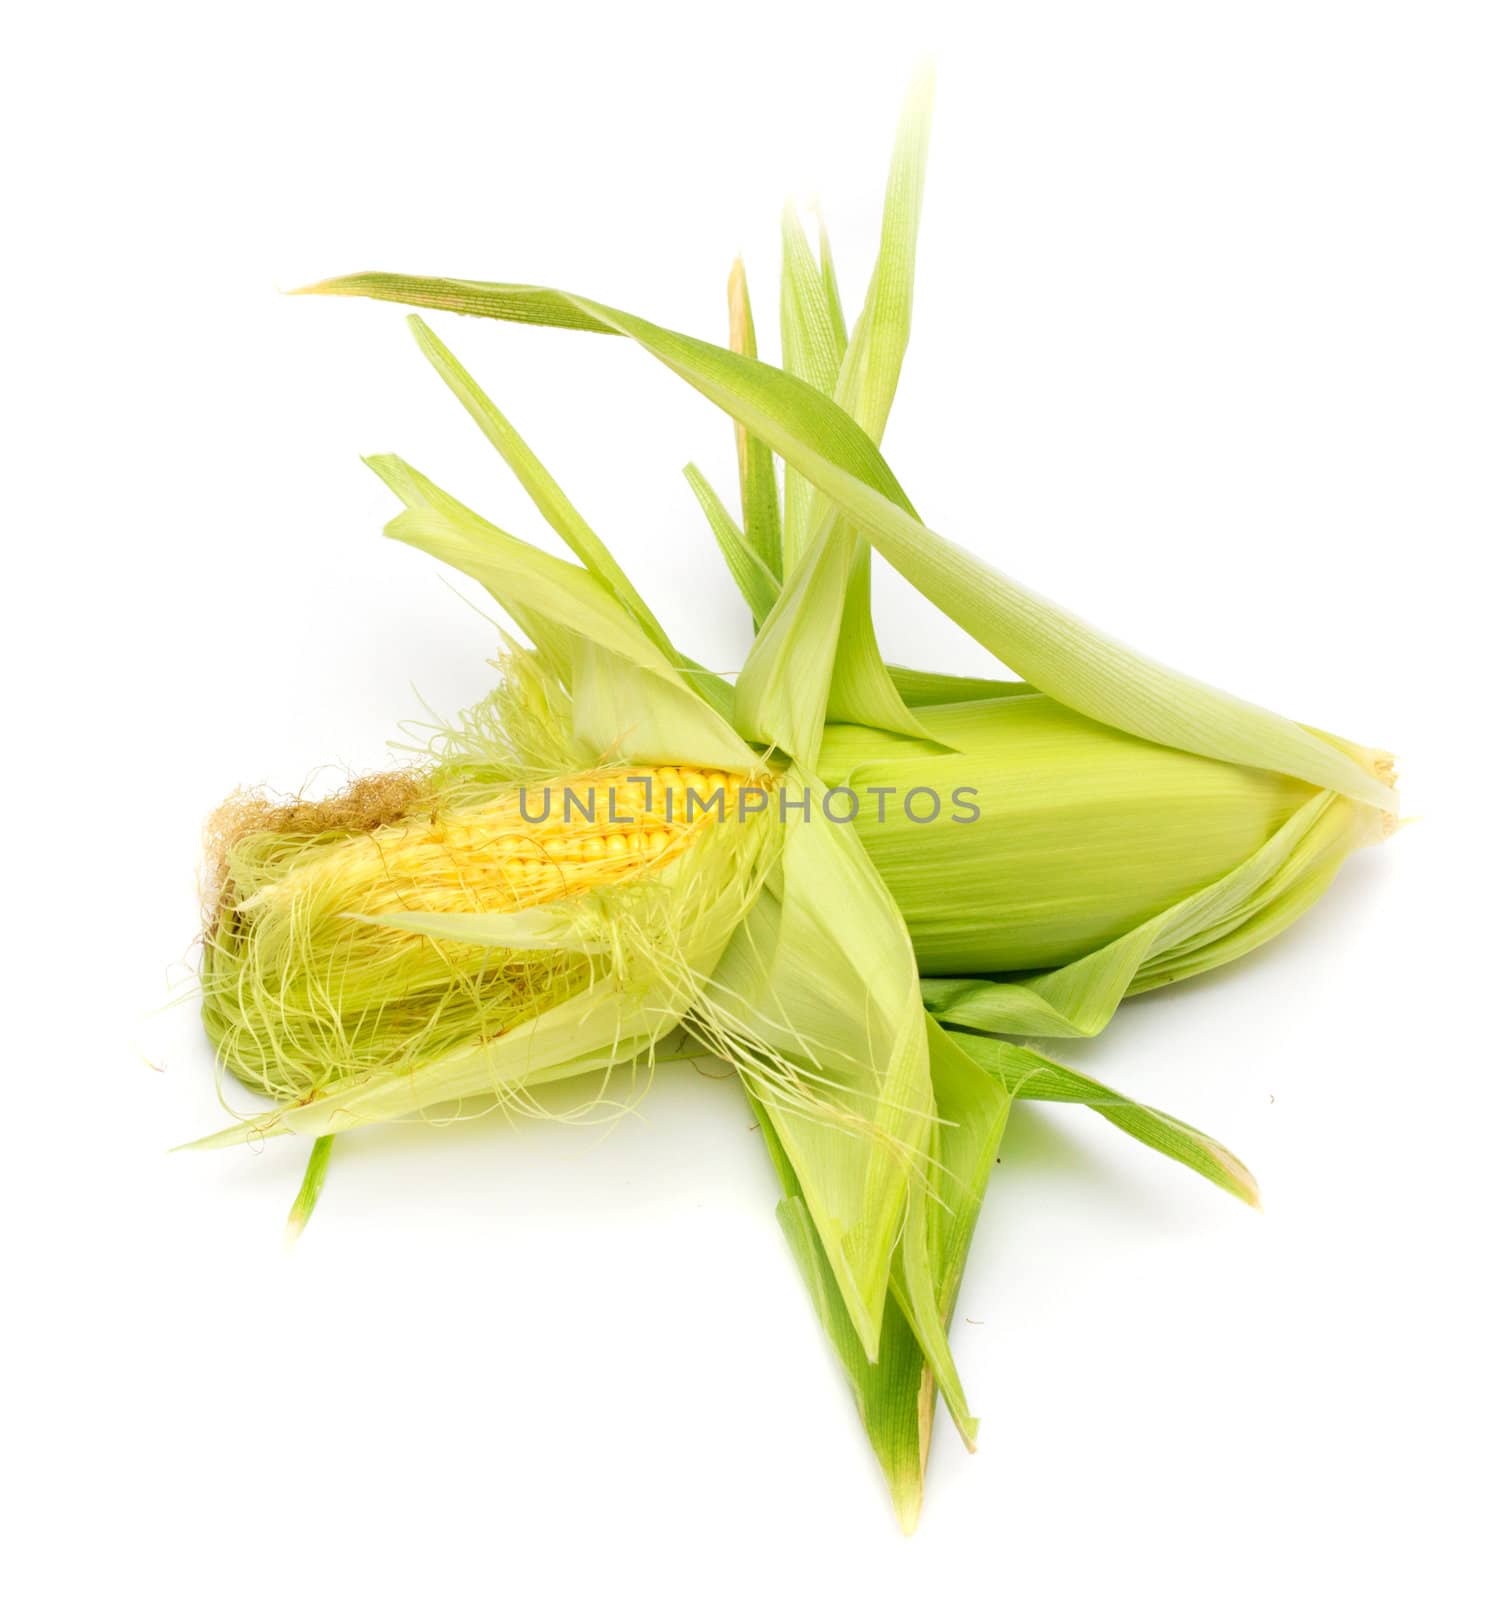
490, 855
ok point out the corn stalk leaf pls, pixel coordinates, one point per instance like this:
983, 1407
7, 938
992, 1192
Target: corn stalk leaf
781, 693
1027, 1076
310, 1189
872, 365
809, 353
1050, 647
822, 973
785, 688
1043, 643
861, 690
541, 488
560, 513
972, 1109
887, 1392
919, 688
629, 698
757, 583
895, 1394
831, 294
759, 507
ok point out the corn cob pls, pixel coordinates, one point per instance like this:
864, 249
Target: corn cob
307, 984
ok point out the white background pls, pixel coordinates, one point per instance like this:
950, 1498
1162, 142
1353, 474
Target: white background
1202, 347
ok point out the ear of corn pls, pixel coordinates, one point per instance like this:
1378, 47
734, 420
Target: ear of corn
1071, 865
464, 952
444, 953
783, 698
329, 983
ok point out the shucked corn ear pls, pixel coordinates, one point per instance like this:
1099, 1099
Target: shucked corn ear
314, 976
1103, 825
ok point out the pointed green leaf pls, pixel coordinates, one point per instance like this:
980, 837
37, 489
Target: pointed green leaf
872, 365
758, 585
888, 1392
972, 1109
1028, 1076
781, 693
1048, 646
568, 596
895, 1394
919, 688
631, 701
759, 507
809, 353
310, 1188
831, 294
823, 971
861, 689
809, 348
550, 499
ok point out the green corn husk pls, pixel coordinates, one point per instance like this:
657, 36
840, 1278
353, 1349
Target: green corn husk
1133, 827
1115, 863
1082, 832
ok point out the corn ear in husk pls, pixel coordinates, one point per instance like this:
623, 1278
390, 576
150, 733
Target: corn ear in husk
1135, 827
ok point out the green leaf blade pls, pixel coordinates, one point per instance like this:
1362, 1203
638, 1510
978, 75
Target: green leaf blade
760, 508
541, 488
757, 584
1028, 1076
